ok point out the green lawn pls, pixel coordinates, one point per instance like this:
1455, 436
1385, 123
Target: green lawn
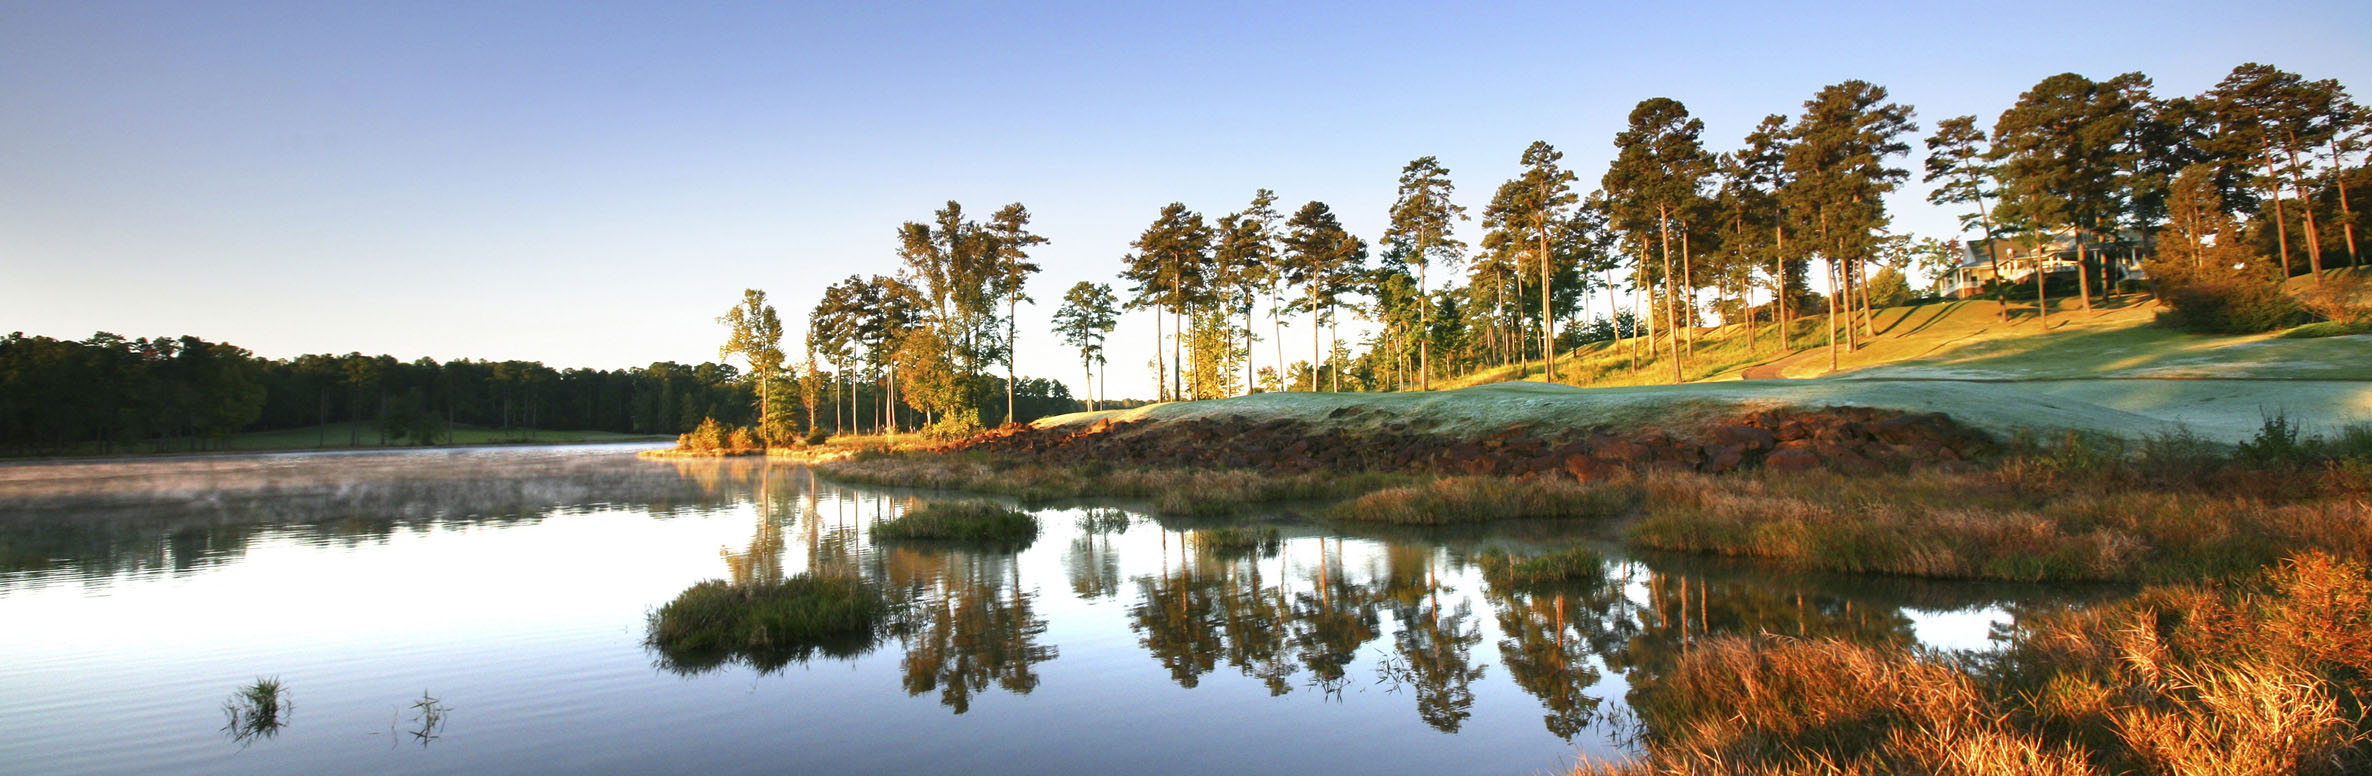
2107, 370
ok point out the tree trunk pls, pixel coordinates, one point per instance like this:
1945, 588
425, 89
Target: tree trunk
2314, 240
1786, 316
1161, 378
1671, 315
1315, 319
1424, 323
1831, 261
1548, 324
1334, 343
2281, 221
1688, 290
2042, 300
1012, 346
2083, 273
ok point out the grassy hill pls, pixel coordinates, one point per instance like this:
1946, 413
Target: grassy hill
2107, 370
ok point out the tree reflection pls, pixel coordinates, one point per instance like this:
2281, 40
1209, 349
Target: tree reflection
968, 625
1549, 636
1433, 647
1093, 566
1332, 621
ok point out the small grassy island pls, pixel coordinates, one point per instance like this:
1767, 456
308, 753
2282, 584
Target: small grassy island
971, 522
766, 624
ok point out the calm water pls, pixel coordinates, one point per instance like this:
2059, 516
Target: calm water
512, 587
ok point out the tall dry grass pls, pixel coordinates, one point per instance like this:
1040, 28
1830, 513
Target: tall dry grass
2264, 676
1996, 524
1477, 499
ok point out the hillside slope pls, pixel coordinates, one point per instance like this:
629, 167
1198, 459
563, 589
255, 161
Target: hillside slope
2106, 371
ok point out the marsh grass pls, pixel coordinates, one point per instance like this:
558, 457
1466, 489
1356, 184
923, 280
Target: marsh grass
2033, 521
2269, 675
766, 625
1479, 499
960, 521
257, 710
429, 714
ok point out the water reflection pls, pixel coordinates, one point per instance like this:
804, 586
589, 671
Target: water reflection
1310, 616
967, 624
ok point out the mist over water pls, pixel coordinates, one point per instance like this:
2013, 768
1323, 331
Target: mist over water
513, 586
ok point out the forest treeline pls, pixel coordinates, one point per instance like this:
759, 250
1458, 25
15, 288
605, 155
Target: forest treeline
2222, 194
2219, 197
112, 394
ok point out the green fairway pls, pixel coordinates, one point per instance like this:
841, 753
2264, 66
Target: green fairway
2108, 370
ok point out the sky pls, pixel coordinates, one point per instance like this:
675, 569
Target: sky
591, 184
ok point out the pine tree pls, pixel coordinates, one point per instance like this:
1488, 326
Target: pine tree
1836, 163
1654, 183
1084, 320
1422, 219
1009, 241
755, 334
1956, 163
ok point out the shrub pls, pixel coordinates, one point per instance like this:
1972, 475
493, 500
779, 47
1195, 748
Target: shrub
956, 424
709, 435
743, 439
2327, 329
2340, 299
960, 521
816, 436
765, 624
2217, 301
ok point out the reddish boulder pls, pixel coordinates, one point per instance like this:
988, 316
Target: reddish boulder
1791, 459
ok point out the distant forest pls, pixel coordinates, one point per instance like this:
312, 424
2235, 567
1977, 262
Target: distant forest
109, 394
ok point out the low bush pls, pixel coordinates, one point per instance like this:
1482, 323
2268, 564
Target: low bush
2327, 329
2225, 302
954, 425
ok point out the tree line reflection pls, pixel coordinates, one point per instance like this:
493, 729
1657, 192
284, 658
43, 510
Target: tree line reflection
1318, 615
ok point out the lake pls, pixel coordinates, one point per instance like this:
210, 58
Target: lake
485, 610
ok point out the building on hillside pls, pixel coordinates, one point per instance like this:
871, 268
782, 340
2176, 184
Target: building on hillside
2119, 257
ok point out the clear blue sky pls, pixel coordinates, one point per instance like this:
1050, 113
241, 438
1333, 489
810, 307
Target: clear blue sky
591, 184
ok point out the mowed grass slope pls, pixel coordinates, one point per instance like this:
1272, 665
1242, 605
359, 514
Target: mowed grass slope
2105, 371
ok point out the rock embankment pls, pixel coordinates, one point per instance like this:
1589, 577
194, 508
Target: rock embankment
1851, 439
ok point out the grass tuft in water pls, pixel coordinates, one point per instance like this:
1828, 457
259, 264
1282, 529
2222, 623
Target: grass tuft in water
257, 710
767, 624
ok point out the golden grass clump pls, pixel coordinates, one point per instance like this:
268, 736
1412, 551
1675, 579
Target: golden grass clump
1477, 499
2263, 676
